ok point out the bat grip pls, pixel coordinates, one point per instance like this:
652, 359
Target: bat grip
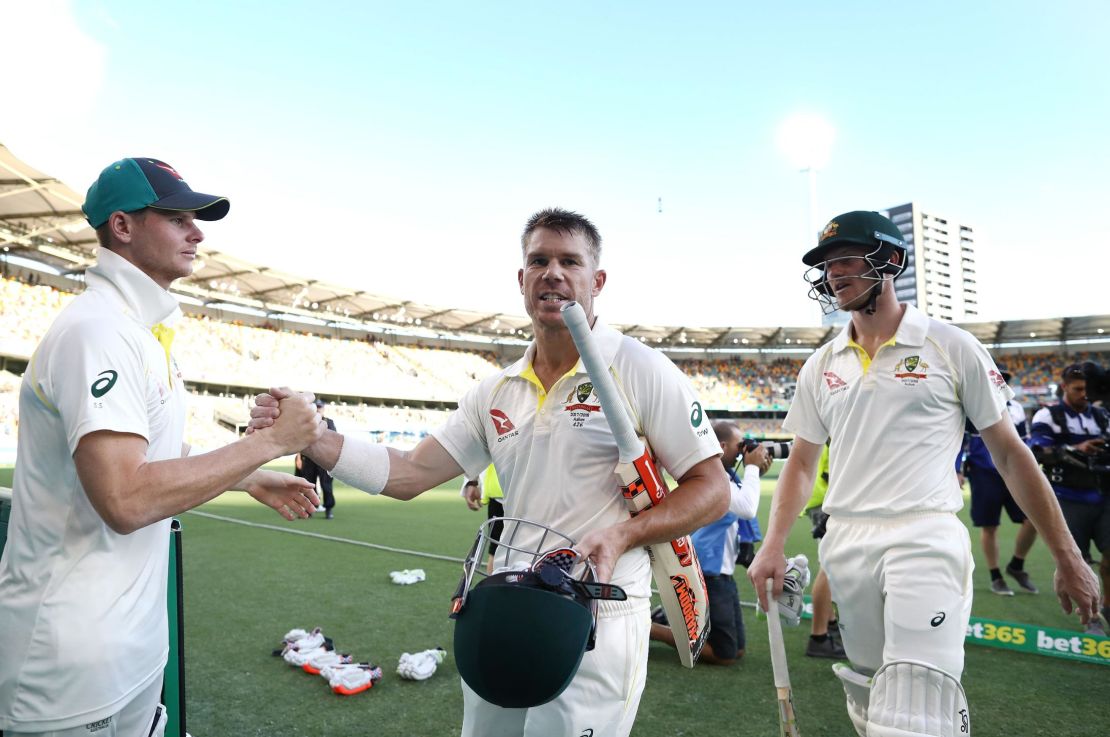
629, 445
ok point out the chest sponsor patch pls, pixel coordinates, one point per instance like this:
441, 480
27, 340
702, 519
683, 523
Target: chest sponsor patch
834, 383
502, 424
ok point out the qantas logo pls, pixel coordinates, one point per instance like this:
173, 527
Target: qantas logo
834, 382
996, 379
501, 422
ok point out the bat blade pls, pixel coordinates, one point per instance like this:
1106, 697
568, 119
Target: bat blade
674, 565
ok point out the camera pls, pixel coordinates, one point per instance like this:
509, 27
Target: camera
776, 449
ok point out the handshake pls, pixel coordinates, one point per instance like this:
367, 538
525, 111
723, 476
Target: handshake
288, 419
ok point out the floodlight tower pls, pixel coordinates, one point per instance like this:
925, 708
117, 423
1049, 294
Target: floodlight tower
806, 139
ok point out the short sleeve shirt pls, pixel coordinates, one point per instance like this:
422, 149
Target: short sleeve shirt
896, 420
83, 613
554, 452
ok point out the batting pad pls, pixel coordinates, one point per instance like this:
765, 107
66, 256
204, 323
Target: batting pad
914, 699
857, 690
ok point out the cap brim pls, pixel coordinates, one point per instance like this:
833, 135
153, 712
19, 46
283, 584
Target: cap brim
206, 206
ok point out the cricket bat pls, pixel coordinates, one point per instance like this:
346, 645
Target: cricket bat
674, 565
788, 723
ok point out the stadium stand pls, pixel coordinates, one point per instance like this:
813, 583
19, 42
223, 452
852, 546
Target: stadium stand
386, 389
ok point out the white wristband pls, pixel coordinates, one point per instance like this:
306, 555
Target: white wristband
362, 464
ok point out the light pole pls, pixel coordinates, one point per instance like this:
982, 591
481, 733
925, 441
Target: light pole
806, 139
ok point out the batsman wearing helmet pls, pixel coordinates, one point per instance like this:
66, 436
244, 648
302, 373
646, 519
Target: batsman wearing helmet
541, 424
893, 390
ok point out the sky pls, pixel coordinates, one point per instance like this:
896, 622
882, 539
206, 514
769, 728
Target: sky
398, 148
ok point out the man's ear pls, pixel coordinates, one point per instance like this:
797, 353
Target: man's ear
599, 281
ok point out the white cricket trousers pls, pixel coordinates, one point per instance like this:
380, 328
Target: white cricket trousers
136, 719
602, 699
902, 586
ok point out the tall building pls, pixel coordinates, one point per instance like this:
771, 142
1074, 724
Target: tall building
940, 275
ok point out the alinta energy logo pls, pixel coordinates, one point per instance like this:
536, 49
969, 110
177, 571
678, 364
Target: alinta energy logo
501, 422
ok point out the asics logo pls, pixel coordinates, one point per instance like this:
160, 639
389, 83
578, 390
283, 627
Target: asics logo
938, 620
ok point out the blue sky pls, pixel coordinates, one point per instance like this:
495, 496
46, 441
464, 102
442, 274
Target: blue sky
398, 148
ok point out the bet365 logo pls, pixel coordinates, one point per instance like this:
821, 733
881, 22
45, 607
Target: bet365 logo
104, 384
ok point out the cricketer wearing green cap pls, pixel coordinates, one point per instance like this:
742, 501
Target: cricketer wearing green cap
102, 466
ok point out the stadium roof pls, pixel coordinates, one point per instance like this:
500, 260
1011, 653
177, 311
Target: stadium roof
41, 220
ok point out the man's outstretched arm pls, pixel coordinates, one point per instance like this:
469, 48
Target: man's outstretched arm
371, 467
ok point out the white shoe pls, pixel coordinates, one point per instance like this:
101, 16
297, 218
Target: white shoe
420, 666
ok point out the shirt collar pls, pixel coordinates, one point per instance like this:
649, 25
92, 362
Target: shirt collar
911, 330
137, 292
608, 343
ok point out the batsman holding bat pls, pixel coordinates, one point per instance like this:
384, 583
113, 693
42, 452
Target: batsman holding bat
892, 391
541, 423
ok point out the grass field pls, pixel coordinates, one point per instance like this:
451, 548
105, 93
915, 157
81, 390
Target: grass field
246, 585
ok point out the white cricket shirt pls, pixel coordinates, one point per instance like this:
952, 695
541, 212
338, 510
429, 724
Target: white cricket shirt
83, 622
554, 452
896, 420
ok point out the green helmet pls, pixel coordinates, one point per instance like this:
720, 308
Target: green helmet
861, 228
520, 633
871, 230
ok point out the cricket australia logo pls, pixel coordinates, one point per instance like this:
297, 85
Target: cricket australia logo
503, 425
835, 384
581, 409
911, 370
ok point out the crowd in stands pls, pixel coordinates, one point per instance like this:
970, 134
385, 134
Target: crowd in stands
743, 384
232, 354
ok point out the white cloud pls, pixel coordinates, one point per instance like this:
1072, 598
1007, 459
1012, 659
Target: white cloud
53, 75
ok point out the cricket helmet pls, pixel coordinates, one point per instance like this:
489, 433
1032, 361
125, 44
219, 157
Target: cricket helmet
521, 632
858, 228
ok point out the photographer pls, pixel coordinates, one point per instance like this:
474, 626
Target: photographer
716, 546
1069, 441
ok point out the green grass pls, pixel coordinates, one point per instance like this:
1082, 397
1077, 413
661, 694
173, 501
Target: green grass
244, 587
